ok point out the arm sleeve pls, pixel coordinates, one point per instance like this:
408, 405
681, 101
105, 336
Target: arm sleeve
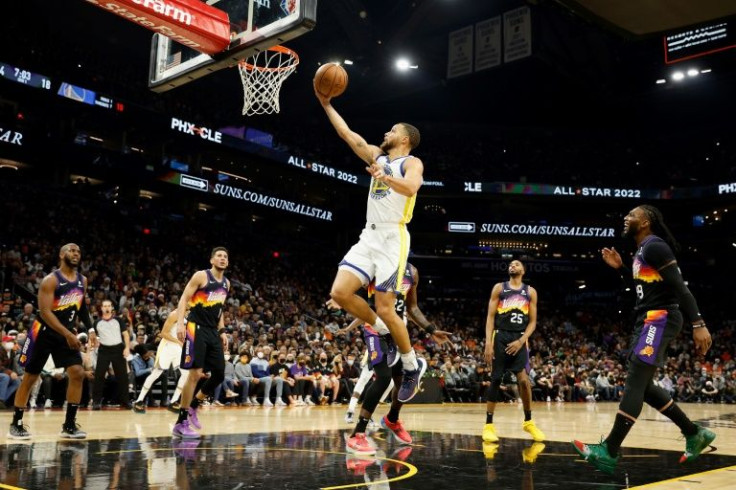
84, 316
672, 277
659, 255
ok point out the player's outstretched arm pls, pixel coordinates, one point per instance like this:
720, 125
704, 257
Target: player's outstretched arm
357, 143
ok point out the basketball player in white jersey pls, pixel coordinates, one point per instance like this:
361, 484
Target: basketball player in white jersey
383, 248
167, 355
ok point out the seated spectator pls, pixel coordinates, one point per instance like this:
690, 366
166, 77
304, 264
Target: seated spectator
603, 387
261, 377
283, 383
142, 364
304, 381
244, 376
229, 384
9, 379
710, 392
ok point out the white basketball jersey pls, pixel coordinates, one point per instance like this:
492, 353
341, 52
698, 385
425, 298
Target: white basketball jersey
384, 204
172, 332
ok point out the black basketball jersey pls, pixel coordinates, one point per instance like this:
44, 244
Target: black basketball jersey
68, 298
207, 303
407, 282
513, 308
651, 291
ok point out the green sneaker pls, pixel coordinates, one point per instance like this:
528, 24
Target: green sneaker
695, 444
597, 455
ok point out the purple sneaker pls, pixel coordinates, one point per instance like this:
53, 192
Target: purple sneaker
193, 419
183, 430
412, 381
392, 352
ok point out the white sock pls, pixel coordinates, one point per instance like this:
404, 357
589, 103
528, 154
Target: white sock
380, 327
353, 404
409, 361
180, 385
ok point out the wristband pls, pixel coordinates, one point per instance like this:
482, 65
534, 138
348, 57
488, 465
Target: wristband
699, 325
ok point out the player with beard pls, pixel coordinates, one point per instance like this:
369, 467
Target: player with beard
204, 338
512, 318
661, 299
61, 298
382, 250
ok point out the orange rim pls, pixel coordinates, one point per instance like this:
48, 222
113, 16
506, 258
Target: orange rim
278, 49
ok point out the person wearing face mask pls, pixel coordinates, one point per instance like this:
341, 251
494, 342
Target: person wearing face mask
326, 380
244, 375
350, 374
229, 384
279, 371
261, 377
9, 379
303, 381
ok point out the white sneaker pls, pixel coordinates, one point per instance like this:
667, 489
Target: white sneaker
254, 400
300, 403
310, 402
267, 403
247, 403
280, 403
33, 404
349, 417
218, 403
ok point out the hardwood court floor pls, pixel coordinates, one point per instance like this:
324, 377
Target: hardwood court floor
284, 448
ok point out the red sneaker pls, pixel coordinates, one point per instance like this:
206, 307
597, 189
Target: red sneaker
360, 444
398, 430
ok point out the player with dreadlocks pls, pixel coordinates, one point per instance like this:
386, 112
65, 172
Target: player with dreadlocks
661, 300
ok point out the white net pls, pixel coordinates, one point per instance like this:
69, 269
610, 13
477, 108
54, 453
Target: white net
262, 75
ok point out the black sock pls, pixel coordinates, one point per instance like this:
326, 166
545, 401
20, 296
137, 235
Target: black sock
183, 414
527, 415
674, 413
393, 414
489, 417
18, 416
71, 414
195, 402
360, 427
621, 428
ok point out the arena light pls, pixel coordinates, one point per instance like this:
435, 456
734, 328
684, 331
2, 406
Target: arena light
678, 76
692, 72
403, 64
348, 62
661, 81
707, 70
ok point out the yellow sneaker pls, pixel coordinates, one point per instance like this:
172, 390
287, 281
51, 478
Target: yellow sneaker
537, 434
489, 450
489, 433
529, 454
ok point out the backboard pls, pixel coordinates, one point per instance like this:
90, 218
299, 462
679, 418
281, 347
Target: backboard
255, 25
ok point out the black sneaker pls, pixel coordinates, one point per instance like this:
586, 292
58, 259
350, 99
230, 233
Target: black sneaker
96, 406
174, 407
139, 407
17, 431
72, 432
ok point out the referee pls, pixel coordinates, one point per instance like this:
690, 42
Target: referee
114, 347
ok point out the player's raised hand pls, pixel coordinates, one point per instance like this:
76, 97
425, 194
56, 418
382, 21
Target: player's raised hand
324, 100
611, 257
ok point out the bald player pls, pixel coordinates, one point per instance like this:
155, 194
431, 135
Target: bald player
61, 299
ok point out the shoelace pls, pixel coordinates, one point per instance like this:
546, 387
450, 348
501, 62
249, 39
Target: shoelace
72, 428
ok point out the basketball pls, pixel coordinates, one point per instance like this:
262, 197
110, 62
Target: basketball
330, 80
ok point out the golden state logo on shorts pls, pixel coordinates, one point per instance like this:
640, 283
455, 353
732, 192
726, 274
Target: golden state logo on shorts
647, 351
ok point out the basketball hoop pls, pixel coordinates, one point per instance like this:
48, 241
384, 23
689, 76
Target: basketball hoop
262, 75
